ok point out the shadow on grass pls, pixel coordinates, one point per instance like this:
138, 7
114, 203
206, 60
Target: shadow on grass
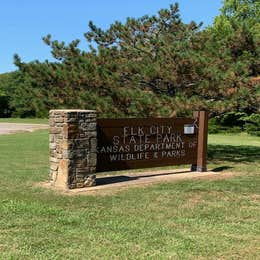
222, 168
125, 178
234, 154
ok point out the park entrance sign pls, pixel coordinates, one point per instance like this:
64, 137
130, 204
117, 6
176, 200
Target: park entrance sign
81, 145
141, 143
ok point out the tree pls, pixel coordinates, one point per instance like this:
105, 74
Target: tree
238, 27
150, 66
5, 96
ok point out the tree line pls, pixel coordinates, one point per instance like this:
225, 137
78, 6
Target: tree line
150, 66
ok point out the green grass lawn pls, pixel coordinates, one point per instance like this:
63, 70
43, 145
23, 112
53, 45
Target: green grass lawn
25, 120
198, 219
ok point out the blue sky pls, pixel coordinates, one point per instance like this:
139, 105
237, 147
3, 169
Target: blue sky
23, 23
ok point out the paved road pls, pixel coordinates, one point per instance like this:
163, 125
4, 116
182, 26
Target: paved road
12, 128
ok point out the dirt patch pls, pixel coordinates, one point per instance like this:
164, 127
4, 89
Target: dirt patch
12, 128
111, 184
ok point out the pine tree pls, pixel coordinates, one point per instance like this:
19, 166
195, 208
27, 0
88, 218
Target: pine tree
150, 66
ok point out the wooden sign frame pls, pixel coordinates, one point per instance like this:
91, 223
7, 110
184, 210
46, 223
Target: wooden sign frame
152, 142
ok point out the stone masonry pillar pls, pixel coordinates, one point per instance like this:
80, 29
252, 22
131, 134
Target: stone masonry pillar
73, 141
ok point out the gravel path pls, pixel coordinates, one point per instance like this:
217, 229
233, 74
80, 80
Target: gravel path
12, 128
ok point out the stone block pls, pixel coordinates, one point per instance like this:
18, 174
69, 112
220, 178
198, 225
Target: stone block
54, 159
58, 120
66, 155
53, 176
70, 120
62, 176
73, 135
90, 181
91, 127
51, 138
55, 130
82, 170
93, 142
59, 124
92, 134
82, 164
64, 145
65, 131
80, 185
80, 153
53, 166
92, 159
52, 153
72, 186
92, 169
91, 115
53, 145
59, 136
72, 147
83, 135
51, 122
59, 156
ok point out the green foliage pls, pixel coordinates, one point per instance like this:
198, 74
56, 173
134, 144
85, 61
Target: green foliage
5, 106
235, 122
252, 124
231, 122
231, 119
5, 110
213, 128
151, 66
238, 28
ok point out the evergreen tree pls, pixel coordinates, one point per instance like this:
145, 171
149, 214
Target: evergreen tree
150, 66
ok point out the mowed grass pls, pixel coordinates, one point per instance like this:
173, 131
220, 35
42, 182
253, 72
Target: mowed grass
236, 153
25, 120
198, 219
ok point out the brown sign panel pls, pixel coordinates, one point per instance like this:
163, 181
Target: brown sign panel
141, 143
